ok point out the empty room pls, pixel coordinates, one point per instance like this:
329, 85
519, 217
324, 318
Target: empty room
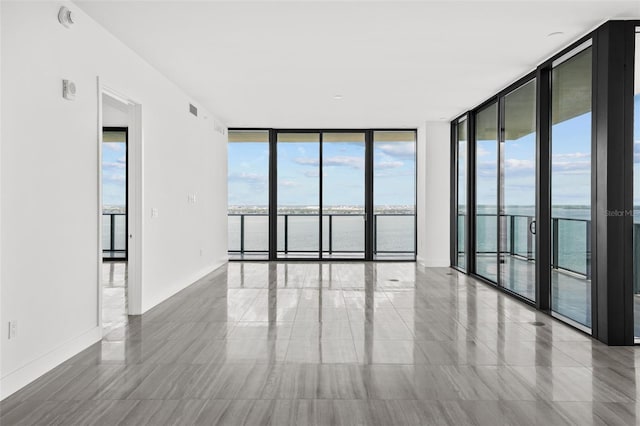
319, 212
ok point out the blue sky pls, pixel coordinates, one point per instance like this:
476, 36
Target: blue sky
571, 166
114, 156
299, 170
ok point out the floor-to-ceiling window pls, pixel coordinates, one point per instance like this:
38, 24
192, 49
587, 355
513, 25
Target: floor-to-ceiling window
248, 193
564, 231
571, 93
335, 194
636, 189
486, 221
461, 194
394, 189
518, 192
298, 189
343, 195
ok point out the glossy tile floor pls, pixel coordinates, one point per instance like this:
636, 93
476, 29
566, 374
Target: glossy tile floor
114, 296
570, 293
338, 343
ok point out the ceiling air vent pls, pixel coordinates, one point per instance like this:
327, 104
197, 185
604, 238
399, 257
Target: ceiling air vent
193, 110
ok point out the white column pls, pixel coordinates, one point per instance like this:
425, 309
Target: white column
433, 193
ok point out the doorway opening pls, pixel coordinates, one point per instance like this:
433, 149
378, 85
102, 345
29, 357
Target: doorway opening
115, 213
114, 227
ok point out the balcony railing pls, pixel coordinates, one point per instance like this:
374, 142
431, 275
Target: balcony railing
570, 240
114, 235
394, 233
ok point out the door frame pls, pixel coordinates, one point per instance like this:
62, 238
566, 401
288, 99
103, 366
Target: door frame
134, 197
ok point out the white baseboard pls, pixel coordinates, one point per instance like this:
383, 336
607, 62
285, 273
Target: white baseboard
29, 372
184, 284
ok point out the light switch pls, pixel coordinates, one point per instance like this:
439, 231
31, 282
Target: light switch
154, 212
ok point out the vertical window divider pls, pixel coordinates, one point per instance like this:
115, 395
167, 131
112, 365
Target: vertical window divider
369, 235
273, 195
453, 181
500, 190
543, 196
320, 197
470, 248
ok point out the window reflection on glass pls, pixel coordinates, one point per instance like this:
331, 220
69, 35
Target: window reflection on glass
518, 192
487, 192
571, 84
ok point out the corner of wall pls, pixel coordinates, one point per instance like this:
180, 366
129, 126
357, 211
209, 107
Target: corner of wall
30, 371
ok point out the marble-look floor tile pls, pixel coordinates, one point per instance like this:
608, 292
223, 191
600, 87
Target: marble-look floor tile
305, 343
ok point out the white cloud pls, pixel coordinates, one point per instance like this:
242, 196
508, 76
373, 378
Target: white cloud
337, 161
287, 183
113, 146
571, 156
398, 149
247, 177
113, 165
481, 152
514, 164
388, 165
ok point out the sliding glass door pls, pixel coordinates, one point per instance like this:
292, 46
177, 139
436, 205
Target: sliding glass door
518, 192
343, 195
322, 194
248, 194
298, 190
394, 193
486, 221
571, 91
460, 255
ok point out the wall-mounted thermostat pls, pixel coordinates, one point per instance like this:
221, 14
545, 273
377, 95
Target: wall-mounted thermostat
68, 90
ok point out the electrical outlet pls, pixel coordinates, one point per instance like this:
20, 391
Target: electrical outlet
13, 329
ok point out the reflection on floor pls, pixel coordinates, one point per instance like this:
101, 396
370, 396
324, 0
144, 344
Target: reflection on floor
570, 293
114, 296
338, 343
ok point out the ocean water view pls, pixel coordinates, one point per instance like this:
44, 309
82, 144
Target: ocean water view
343, 229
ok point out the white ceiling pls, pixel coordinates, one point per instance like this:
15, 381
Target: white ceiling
396, 64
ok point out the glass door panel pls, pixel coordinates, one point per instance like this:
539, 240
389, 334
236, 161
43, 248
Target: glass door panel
394, 194
518, 192
571, 188
248, 194
298, 193
487, 193
461, 194
343, 189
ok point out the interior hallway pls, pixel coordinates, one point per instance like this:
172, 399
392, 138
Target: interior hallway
337, 343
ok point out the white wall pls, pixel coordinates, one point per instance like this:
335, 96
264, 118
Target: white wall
433, 194
115, 113
49, 185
